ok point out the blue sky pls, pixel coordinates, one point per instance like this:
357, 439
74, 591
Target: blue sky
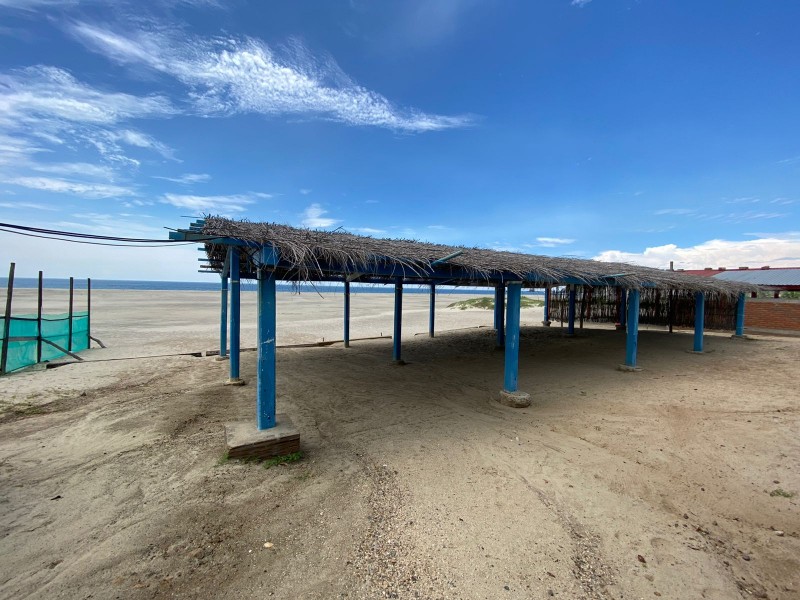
643, 131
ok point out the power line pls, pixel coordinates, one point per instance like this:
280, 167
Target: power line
89, 238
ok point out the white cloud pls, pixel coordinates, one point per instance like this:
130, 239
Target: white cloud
369, 230
27, 205
187, 178
76, 188
243, 75
80, 168
773, 251
676, 211
552, 242
305, 191
313, 217
209, 204
580, 3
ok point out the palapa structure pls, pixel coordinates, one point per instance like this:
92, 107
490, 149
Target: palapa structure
270, 252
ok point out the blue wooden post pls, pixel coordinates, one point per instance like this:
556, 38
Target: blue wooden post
740, 316
499, 317
699, 319
346, 313
623, 308
512, 337
223, 318
632, 339
571, 311
267, 318
546, 320
235, 314
398, 319
432, 316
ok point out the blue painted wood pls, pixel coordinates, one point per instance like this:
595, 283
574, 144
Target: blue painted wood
346, 313
623, 309
444, 259
547, 304
432, 315
235, 313
499, 314
223, 317
571, 311
740, 315
699, 320
398, 319
512, 337
632, 338
267, 321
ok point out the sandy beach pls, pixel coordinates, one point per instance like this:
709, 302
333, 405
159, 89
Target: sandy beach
680, 481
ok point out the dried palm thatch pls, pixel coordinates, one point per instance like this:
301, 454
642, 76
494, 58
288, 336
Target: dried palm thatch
313, 254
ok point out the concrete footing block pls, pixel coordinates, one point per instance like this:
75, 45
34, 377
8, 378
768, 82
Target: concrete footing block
743, 338
222, 357
514, 399
236, 381
245, 440
546, 323
628, 368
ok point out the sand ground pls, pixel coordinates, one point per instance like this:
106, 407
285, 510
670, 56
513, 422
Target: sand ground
416, 483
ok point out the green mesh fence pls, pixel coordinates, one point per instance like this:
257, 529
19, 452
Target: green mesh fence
55, 328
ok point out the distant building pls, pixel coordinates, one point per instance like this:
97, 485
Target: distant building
765, 315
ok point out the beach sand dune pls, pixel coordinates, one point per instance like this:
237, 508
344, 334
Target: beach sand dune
415, 482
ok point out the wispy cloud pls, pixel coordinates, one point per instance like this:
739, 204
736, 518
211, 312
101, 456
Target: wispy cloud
27, 205
305, 191
580, 3
313, 217
243, 75
369, 231
768, 250
552, 242
229, 203
83, 169
75, 188
187, 178
676, 211
789, 161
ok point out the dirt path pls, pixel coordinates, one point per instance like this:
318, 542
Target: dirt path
415, 483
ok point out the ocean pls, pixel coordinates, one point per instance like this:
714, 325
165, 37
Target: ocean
213, 286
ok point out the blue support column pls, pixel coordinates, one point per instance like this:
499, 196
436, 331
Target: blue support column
740, 316
499, 317
398, 320
699, 320
235, 313
546, 320
267, 318
346, 313
432, 316
512, 337
223, 318
623, 309
632, 339
571, 311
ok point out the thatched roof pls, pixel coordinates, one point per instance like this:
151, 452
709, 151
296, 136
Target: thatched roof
312, 254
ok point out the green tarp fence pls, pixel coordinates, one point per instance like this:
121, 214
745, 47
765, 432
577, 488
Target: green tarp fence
55, 328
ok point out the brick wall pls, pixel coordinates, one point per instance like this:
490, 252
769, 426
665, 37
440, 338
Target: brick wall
772, 314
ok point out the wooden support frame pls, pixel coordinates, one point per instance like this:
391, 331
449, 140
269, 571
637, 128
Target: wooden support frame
632, 337
499, 315
511, 366
235, 316
7, 319
740, 306
699, 320
267, 321
346, 332
571, 311
432, 312
71, 312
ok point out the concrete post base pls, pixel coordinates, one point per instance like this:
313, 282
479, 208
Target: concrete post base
236, 381
514, 399
628, 369
244, 440
221, 357
740, 337
546, 323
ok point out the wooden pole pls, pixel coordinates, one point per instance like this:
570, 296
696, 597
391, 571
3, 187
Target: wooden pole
7, 320
39, 320
267, 321
346, 313
71, 300
398, 320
